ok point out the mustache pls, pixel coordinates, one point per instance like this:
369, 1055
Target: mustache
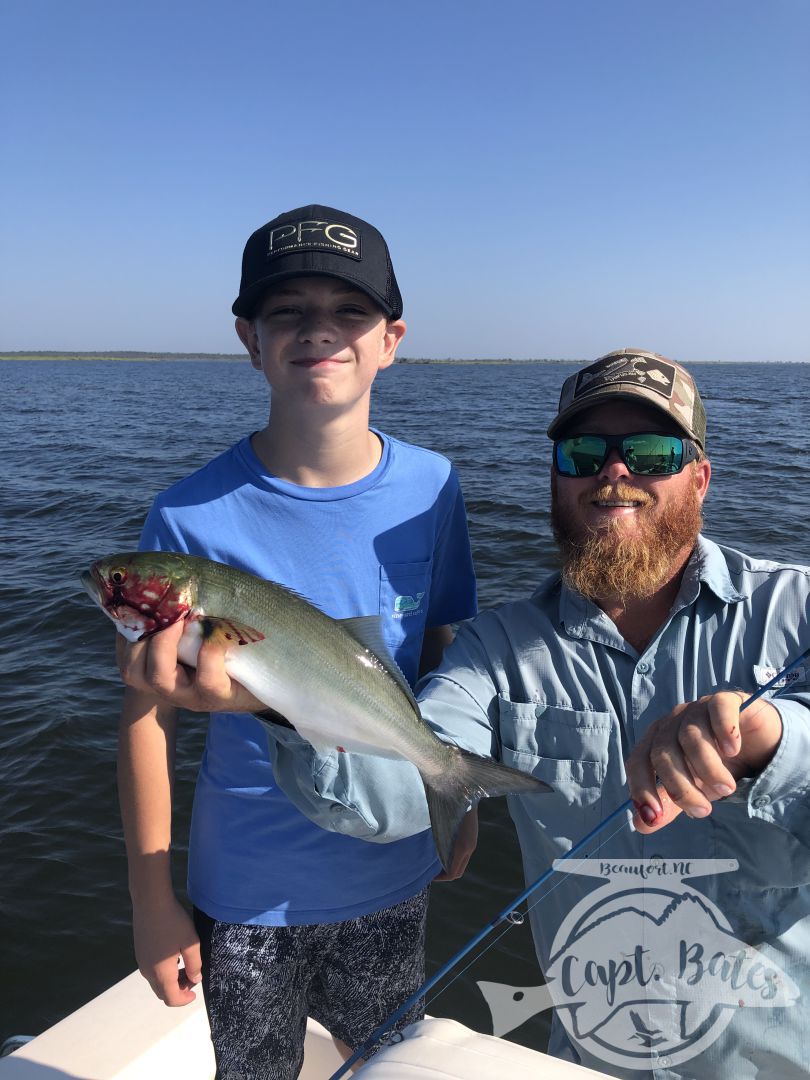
620, 491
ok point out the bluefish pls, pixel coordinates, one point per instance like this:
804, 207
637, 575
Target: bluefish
333, 680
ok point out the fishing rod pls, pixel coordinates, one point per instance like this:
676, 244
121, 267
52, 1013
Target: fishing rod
504, 915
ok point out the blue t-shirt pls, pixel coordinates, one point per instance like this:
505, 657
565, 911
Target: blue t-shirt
394, 543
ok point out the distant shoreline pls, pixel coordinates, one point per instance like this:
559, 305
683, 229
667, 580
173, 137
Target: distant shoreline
122, 355
173, 357
152, 358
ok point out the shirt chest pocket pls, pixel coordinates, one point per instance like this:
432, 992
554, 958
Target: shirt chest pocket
404, 601
568, 748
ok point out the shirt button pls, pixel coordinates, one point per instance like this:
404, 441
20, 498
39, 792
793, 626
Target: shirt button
643, 667
761, 800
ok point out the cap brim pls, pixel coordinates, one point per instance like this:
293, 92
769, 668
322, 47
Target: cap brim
244, 306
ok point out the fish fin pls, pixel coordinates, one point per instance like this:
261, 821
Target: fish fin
469, 779
228, 631
367, 631
270, 716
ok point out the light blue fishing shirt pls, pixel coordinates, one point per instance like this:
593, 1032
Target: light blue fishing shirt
393, 544
550, 686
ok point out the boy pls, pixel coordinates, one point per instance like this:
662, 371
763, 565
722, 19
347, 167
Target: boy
292, 919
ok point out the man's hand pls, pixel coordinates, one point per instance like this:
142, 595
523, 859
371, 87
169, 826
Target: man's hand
162, 936
152, 665
698, 753
463, 847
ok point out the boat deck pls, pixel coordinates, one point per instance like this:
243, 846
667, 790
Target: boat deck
127, 1034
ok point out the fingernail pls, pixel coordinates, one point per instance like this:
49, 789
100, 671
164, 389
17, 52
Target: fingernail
698, 811
723, 790
730, 748
646, 813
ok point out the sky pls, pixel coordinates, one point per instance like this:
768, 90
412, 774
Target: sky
555, 178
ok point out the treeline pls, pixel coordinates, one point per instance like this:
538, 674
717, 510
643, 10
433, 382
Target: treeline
128, 354
118, 354
493, 360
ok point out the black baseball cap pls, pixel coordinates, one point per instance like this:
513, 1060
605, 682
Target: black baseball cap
317, 240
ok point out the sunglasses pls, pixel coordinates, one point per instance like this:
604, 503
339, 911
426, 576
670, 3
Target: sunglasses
644, 453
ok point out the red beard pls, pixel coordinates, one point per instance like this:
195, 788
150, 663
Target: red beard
609, 564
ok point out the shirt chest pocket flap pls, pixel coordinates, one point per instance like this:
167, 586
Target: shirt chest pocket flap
568, 748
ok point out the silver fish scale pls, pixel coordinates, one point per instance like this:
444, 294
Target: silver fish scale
324, 667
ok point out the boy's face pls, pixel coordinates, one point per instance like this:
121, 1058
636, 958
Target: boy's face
319, 341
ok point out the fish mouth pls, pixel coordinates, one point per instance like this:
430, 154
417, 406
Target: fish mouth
93, 587
108, 597
129, 622
139, 601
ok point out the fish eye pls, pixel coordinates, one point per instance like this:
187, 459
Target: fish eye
118, 577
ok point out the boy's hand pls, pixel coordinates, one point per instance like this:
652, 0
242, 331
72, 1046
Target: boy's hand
463, 847
162, 936
152, 665
698, 753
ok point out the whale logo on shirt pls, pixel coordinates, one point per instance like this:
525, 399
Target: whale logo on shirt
408, 605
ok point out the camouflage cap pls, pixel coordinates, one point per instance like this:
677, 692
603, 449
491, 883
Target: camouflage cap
635, 373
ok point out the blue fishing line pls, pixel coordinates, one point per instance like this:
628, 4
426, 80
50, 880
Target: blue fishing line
503, 915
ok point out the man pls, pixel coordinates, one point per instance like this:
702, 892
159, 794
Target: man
633, 663
293, 920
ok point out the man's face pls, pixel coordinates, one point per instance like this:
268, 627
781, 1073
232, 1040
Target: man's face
624, 536
319, 341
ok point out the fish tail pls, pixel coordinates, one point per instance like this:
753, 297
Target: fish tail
470, 779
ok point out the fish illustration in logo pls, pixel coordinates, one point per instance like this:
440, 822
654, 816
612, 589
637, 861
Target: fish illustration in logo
511, 1006
658, 376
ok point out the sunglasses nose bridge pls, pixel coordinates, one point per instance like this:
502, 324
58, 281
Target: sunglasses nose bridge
614, 464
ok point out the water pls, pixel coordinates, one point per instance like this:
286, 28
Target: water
87, 444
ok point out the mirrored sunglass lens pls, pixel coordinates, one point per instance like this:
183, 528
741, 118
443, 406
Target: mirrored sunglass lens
581, 455
650, 455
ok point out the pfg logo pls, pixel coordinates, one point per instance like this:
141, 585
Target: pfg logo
326, 235
645, 969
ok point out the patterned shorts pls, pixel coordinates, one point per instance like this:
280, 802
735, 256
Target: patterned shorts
261, 982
